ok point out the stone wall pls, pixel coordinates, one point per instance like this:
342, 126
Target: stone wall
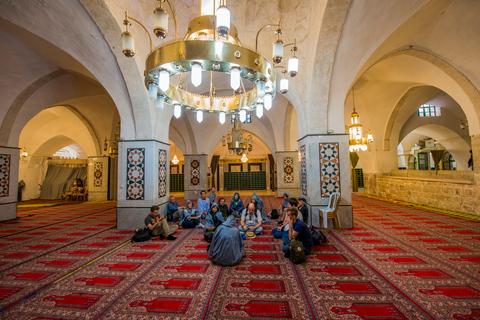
452, 194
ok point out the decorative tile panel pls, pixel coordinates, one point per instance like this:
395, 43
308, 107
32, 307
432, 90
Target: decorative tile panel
135, 174
288, 169
97, 174
195, 172
329, 168
162, 173
5, 161
303, 170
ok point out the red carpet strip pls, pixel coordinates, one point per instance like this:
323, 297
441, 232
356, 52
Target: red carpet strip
397, 263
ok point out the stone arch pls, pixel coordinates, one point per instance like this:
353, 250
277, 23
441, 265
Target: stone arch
12, 113
87, 124
472, 111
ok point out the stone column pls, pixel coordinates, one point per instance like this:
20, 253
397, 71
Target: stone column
9, 162
142, 180
98, 178
475, 140
324, 169
195, 175
288, 178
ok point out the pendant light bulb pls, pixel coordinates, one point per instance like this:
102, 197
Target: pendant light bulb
128, 44
261, 89
199, 116
277, 51
152, 90
196, 74
293, 66
268, 101
221, 117
177, 110
164, 80
223, 21
284, 85
243, 115
160, 102
160, 22
259, 110
235, 77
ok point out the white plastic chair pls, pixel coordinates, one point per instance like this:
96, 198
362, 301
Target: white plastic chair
330, 212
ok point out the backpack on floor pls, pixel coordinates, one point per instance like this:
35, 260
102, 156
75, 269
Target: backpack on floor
296, 251
318, 238
140, 235
274, 214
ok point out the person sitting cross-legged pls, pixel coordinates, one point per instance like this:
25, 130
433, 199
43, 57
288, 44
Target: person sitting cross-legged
251, 220
190, 217
173, 210
223, 208
260, 207
298, 230
158, 225
214, 219
236, 205
283, 229
281, 209
227, 246
203, 204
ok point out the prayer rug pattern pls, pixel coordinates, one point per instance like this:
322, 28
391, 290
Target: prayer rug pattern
397, 263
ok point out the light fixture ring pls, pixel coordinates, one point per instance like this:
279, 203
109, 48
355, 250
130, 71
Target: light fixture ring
177, 57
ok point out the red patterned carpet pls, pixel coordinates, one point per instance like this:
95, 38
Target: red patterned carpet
68, 262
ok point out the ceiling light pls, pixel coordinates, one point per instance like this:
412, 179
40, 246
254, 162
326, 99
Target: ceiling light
211, 44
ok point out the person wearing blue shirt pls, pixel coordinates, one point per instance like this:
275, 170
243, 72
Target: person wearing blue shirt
173, 210
298, 230
190, 217
203, 203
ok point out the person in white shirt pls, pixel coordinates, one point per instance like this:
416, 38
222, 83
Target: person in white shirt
251, 220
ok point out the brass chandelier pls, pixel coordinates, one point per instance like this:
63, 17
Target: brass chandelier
358, 140
210, 46
237, 141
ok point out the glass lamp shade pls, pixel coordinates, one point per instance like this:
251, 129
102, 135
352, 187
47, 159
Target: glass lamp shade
221, 117
235, 77
160, 102
164, 80
196, 74
278, 51
175, 159
293, 66
199, 116
152, 91
128, 44
177, 111
223, 21
370, 137
259, 110
267, 100
160, 22
243, 115
244, 158
260, 89
284, 85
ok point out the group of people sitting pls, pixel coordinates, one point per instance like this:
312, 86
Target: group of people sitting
220, 228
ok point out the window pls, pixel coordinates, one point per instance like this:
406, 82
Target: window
248, 120
422, 161
448, 162
427, 110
